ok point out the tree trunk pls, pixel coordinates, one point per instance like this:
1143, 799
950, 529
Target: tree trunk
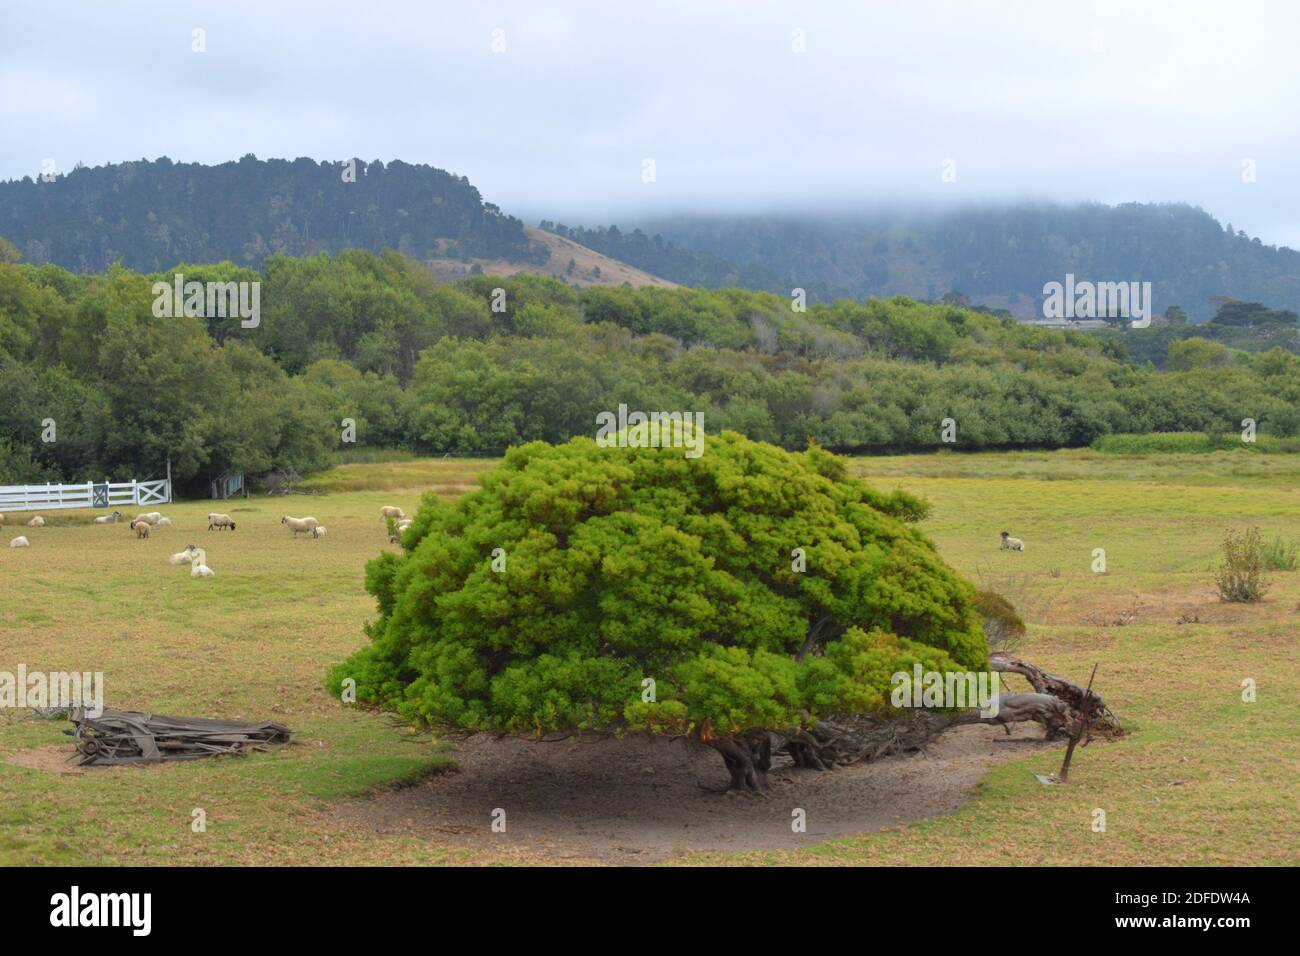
846, 739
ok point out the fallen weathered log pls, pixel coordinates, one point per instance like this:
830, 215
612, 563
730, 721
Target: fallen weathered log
1052, 712
1082, 702
123, 736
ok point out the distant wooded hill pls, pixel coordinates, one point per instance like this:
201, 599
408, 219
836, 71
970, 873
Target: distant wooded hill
151, 215
998, 256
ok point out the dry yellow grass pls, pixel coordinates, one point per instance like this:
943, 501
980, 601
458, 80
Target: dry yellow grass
586, 262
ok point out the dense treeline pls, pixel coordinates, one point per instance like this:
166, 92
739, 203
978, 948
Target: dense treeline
433, 367
1000, 256
1237, 326
151, 215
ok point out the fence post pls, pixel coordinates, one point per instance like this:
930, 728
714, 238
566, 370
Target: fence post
135, 492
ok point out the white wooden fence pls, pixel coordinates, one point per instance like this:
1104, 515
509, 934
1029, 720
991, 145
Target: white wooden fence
107, 494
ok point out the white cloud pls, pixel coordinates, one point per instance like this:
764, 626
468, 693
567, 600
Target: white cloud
1111, 101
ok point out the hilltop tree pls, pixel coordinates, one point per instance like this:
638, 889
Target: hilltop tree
739, 597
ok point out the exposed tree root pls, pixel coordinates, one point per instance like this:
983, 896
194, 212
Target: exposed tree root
842, 740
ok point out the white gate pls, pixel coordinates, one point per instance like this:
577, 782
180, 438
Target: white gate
107, 494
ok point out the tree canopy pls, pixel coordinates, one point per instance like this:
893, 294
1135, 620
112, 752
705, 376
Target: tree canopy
545, 600
463, 368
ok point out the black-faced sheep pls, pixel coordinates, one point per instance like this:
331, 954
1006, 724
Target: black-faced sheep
1011, 544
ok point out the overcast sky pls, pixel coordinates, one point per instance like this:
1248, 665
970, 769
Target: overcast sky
1047, 100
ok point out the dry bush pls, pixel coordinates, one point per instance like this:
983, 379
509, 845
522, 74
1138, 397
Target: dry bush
1240, 578
1003, 627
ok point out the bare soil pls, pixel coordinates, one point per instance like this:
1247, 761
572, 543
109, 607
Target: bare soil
638, 800
54, 758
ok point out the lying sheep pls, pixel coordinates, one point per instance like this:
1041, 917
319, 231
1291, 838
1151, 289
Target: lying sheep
318, 531
37, 522
199, 566
183, 557
299, 525
217, 521
1011, 544
19, 542
109, 519
164, 522
141, 528
391, 511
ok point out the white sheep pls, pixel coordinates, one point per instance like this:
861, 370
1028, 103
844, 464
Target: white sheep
200, 567
299, 525
318, 531
164, 522
109, 519
20, 542
37, 522
150, 518
183, 557
218, 521
391, 511
1011, 544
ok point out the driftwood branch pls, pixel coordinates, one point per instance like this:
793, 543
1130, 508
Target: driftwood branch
123, 736
1081, 702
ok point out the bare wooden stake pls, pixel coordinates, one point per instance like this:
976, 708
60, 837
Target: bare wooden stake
1081, 729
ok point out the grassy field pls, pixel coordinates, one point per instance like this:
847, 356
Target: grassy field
1202, 778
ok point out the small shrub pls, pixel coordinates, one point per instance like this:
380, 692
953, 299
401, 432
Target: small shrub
1240, 578
1003, 627
1281, 555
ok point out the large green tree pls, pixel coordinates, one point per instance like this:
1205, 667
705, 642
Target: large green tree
757, 589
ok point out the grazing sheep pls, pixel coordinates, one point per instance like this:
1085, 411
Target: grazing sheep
184, 557
200, 567
152, 517
318, 531
391, 511
109, 519
218, 521
37, 522
141, 528
164, 522
1011, 544
19, 542
299, 525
